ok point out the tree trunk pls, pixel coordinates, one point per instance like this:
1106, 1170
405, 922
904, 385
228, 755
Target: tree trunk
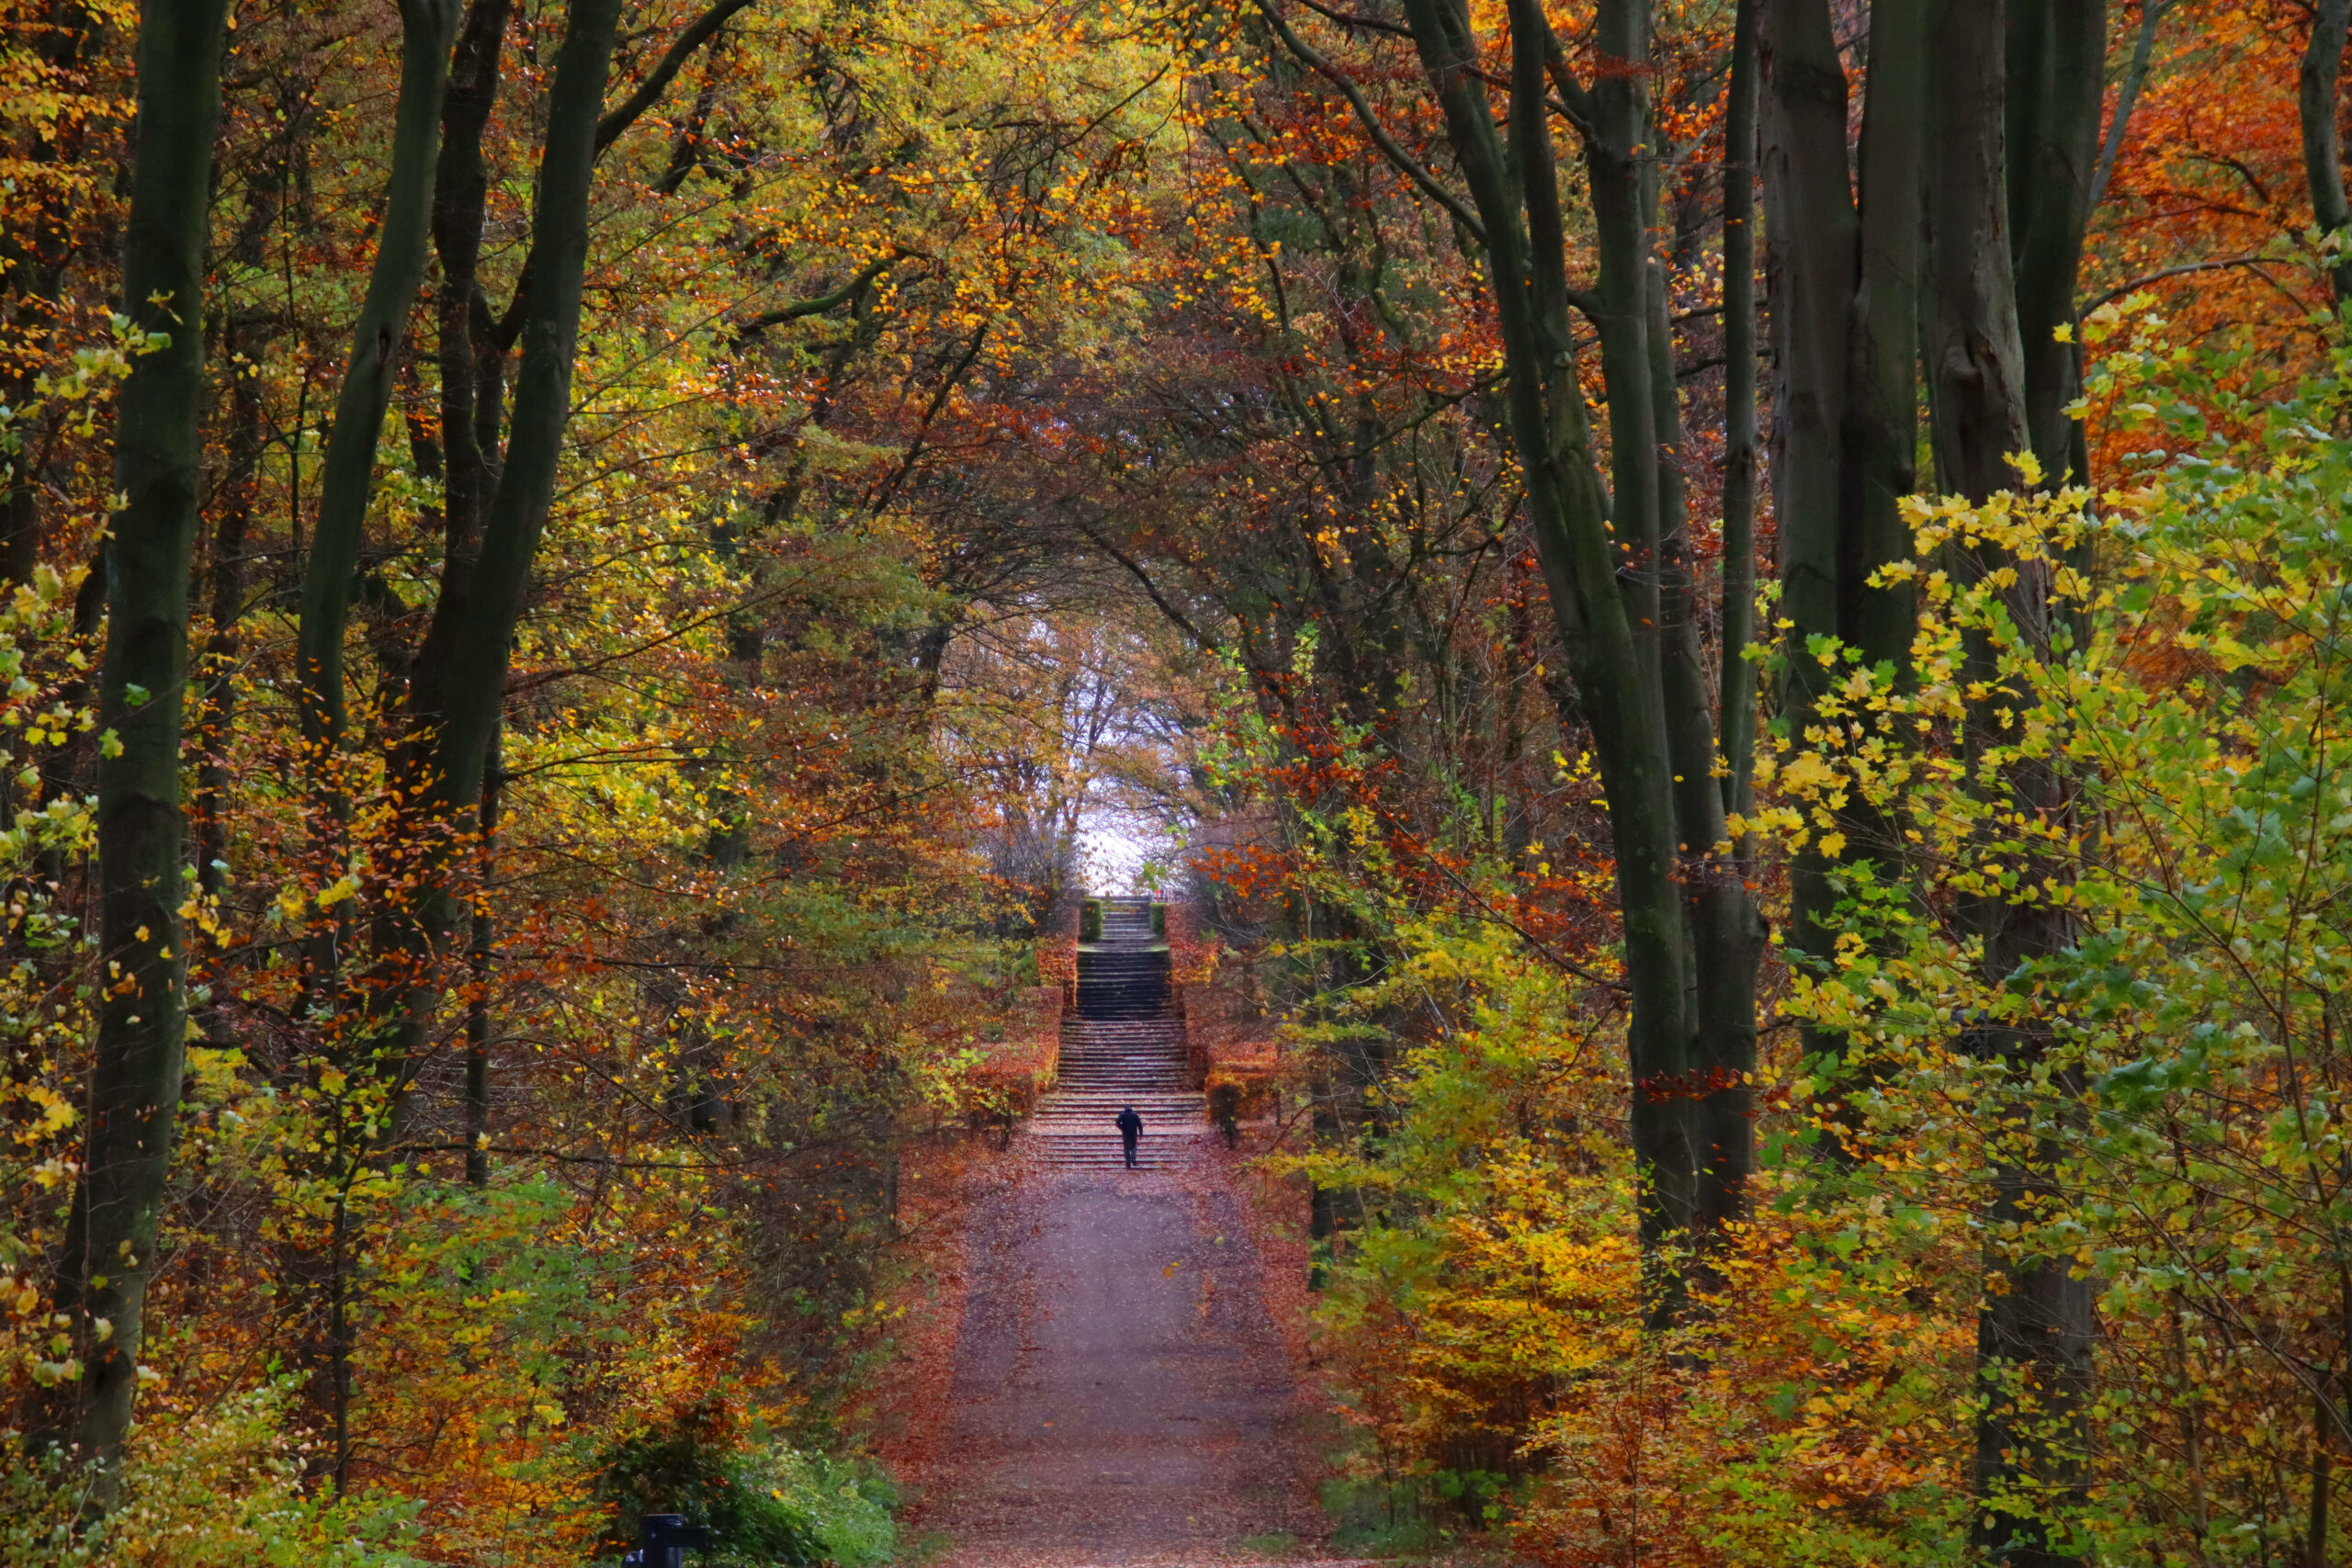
478, 954
456, 688
347, 478
1816, 236
2034, 1331
2323, 155
1974, 350
1845, 311
109, 1252
1737, 707
1725, 933
471, 411
1518, 204
1880, 429
2057, 75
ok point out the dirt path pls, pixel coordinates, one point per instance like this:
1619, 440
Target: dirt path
1120, 1393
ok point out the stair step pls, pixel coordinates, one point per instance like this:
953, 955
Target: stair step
1164, 1138
1123, 1045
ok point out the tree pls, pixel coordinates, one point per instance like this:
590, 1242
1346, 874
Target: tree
111, 1238
1617, 559
2323, 157
2034, 1337
379, 340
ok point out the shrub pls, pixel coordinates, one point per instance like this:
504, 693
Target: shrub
766, 1505
224, 1489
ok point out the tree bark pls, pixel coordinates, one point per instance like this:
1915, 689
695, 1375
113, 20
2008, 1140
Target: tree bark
347, 478
109, 1251
1736, 709
2322, 154
2035, 1328
478, 954
457, 689
1846, 311
1725, 935
471, 411
460, 675
1816, 236
1590, 570
2057, 74
1880, 428
1975, 352
1728, 932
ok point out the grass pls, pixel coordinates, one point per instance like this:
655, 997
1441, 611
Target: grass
1276, 1545
924, 1547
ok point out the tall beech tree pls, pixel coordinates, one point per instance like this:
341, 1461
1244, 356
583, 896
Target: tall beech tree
379, 340
2053, 93
1615, 552
143, 886
456, 685
1743, 96
451, 687
1846, 285
2036, 1328
1994, 148
2315, 100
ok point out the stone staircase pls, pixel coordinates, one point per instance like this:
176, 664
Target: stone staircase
1124, 1044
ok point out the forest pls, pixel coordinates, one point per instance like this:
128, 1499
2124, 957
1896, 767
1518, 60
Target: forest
1724, 615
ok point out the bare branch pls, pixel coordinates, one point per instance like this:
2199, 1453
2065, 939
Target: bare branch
657, 81
1389, 147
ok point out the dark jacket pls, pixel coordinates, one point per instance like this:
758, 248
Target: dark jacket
1130, 1124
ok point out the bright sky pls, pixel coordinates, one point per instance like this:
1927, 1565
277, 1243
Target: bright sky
1113, 846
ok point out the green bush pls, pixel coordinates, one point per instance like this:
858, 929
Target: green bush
216, 1486
845, 1505
1159, 920
765, 1504
1413, 1515
1382, 1519
1089, 921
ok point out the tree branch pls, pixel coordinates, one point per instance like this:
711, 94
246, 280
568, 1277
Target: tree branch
1348, 19
2120, 289
1134, 569
2134, 76
1574, 102
657, 81
608, 130
821, 304
1389, 147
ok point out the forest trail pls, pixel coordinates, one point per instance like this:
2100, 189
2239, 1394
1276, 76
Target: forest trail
1120, 1393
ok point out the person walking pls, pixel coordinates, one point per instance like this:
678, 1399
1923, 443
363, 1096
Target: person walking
1130, 1129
